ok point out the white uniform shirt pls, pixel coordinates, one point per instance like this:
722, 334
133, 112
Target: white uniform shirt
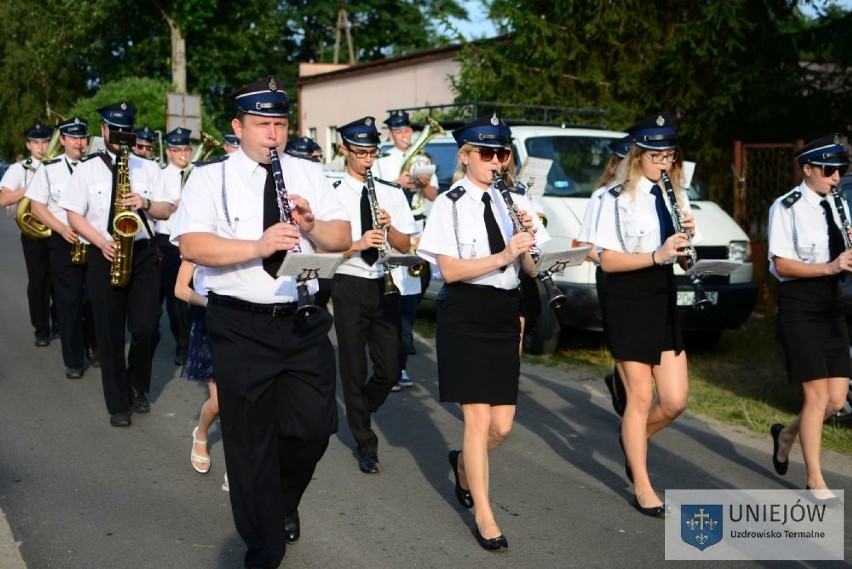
800, 232
391, 199
637, 229
49, 183
89, 192
468, 238
198, 280
589, 227
172, 182
389, 168
233, 208
19, 174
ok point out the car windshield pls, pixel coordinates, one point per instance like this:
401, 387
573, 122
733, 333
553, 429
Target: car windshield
578, 162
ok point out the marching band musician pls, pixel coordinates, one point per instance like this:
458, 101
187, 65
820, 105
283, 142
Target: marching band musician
637, 244
232, 143
90, 203
304, 147
586, 236
178, 150
808, 255
275, 370
478, 319
13, 186
364, 316
72, 304
144, 147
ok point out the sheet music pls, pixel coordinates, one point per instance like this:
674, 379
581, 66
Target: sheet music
534, 174
306, 266
422, 170
708, 267
688, 172
557, 261
400, 260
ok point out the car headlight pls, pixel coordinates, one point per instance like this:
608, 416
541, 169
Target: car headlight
739, 251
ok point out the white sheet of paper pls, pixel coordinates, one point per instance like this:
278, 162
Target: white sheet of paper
534, 174
310, 265
422, 170
688, 172
708, 267
557, 261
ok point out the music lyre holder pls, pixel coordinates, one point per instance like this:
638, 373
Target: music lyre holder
305, 267
557, 261
399, 260
713, 267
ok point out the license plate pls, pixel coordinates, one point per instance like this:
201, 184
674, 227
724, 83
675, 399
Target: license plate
687, 297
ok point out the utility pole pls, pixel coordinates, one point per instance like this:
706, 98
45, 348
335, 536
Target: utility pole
343, 24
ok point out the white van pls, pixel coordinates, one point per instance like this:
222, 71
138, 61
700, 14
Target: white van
579, 156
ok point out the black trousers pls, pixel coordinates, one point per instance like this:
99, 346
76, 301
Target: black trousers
36, 257
176, 309
276, 380
72, 306
365, 318
136, 308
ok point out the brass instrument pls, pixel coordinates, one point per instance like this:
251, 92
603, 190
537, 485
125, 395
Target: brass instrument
415, 154
384, 250
204, 150
305, 305
701, 301
125, 223
79, 252
555, 298
29, 224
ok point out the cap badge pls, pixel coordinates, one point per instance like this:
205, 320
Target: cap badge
660, 120
273, 84
123, 106
836, 139
179, 131
368, 122
494, 120
76, 120
38, 125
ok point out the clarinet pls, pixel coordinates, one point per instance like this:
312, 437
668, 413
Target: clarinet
305, 307
701, 301
555, 298
384, 250
844, 220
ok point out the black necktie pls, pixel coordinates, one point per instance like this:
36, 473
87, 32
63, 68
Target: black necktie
271, 216
371, 255
835, 237
663, 215
495, 237
74, 164
183, 178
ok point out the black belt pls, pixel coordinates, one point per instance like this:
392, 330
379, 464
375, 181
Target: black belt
282, 310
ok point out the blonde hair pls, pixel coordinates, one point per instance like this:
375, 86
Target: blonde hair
629, 172
461, 169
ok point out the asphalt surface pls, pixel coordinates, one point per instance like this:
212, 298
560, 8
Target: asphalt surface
76, 493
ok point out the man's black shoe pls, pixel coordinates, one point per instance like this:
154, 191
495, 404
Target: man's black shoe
73, 372
119, 419
139, 401
42, 341
92, 355
292, 528
369, 464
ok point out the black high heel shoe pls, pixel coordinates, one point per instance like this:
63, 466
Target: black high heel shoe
627, 469
780, 467
463, 496
499, 543
655, 512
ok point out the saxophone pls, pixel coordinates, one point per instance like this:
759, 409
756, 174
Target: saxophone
125, 223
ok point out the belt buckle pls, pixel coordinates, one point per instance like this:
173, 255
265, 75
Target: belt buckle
279, 310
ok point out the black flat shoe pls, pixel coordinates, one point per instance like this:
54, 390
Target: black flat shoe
655, 512
499, 543
463, 496
292, 528
627, 470
119, 419
780, 467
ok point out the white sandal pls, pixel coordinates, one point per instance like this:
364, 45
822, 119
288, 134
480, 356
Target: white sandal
197, 458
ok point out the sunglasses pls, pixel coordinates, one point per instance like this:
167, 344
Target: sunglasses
487, 154
144, 147
828, 171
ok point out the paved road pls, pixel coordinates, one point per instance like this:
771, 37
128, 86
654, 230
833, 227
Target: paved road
77, 493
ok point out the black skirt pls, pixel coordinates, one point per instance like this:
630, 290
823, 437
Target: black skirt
477, 340
639, 311
812, 330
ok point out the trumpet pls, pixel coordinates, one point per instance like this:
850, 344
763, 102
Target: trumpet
305, 305
701, 301
555, 298
384, 250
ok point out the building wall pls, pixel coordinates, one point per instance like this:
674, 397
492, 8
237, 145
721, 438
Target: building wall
330, 100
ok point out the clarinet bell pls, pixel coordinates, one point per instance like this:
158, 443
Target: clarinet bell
555, 298
701, 301
305, 306
390, 288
